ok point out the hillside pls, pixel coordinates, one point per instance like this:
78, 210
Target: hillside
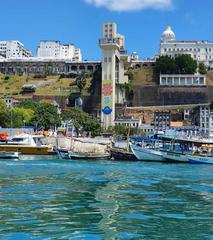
54, 85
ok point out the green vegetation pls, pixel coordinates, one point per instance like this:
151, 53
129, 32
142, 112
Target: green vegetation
82, 121
122, 130
40, 115
182, 64
202, 68
57, 85
18, 116
81, 82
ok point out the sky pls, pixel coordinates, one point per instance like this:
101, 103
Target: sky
80, 22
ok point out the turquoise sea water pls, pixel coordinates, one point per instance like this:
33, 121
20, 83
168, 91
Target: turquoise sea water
105, 200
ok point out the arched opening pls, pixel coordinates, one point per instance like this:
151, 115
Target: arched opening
74, 68
90, 68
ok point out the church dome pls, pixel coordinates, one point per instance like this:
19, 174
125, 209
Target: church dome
168, 35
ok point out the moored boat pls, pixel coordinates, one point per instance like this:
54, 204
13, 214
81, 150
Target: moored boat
9, 155
122, 154
26, 144
89, 156
173, 156
147, 153
200, 159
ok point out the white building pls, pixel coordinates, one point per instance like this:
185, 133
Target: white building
13, 49
201, 51
56, 50
114, 57
196, 80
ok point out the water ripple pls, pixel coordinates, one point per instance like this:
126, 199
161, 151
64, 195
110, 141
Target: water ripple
105, 200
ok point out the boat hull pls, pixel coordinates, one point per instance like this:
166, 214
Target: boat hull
9, 155
24, 149
200, 160
79, 156
146, 154
118, 154
35, 157
175, 157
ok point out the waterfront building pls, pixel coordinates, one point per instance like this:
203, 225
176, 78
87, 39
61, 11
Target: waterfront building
13, 49
162, 120
114, 57
201, 117
56, 50
201, 51
128, 122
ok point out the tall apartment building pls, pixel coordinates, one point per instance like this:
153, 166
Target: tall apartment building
56, 50
201, 51
13, 49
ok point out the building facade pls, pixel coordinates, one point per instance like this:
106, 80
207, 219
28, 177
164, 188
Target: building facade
201, 51
56, 50
13, 49
39, 65
114, 57
176, 80
162, 120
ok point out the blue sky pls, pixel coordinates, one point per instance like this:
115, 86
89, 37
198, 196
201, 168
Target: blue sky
80, 22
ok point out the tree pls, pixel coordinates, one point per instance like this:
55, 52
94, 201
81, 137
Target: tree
182, 64
28, 104
4, 115
81, 82
202, 68
82, 121
45, 116
165, 65
185, 64
21, 116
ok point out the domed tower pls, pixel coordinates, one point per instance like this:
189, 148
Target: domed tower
168, 35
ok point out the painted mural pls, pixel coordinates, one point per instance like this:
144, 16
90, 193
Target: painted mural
107, 93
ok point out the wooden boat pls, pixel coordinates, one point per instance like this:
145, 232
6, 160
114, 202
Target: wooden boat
9, 155
88, 156
200, 159
66, 154
122, 154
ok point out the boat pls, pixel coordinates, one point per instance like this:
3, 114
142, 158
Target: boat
27, 144
122, 154
200, 159
88, 156
147, 153
67, 154
173, 156
9, 155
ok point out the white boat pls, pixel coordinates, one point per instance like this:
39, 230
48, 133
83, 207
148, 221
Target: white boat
9, 155
147, 153
200, 159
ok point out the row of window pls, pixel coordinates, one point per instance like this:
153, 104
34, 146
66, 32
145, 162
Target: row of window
187, 49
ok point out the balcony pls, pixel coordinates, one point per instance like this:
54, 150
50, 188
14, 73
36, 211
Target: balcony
109, 41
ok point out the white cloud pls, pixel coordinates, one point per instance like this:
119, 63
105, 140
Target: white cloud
131, 5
